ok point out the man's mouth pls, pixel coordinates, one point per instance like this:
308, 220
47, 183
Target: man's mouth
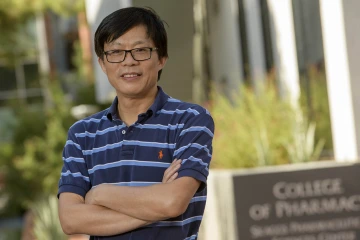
130, 75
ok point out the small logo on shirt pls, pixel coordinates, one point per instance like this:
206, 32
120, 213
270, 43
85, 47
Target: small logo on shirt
160, 155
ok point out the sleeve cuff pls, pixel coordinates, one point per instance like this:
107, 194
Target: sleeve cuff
72, 189
194, 174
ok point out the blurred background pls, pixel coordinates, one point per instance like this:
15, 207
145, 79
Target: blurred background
279, 77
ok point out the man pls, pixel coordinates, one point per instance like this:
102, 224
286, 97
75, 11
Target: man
122, 177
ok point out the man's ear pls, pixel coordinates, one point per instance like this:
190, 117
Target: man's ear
102, 64
162, 62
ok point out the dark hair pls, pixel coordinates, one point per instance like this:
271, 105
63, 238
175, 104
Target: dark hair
119, 22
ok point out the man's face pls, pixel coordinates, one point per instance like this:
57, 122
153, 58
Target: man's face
131, 78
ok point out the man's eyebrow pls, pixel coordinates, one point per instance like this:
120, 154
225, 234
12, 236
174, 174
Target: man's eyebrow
133, 44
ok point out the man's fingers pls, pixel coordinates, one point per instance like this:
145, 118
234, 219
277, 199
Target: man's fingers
174, 165
171, 170
166, 173
173, 177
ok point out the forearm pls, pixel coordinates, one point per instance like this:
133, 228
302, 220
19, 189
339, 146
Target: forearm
150, 203
97, 220
142, 202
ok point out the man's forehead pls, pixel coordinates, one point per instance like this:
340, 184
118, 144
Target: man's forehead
139, 35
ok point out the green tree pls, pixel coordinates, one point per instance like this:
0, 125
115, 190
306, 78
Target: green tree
31, 163
15, 16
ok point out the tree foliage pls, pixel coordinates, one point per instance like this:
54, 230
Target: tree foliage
31, 163
16, 16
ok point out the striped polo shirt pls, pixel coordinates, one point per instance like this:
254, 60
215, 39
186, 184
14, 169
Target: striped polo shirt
102, 149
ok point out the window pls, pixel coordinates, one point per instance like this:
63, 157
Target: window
20, 83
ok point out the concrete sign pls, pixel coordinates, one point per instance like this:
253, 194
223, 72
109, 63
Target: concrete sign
310, 204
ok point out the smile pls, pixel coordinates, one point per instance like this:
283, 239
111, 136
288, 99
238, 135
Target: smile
130, 75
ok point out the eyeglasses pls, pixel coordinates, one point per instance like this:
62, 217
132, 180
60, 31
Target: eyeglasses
138, 54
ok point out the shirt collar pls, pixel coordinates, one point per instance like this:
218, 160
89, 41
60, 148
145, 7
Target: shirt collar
160, 99
112, 113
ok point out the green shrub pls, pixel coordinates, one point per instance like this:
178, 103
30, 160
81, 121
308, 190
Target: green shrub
31, 163
302, 147
315, 105
10, 234
46, 220
258, 129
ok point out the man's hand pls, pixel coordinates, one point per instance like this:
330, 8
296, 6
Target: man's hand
172, 172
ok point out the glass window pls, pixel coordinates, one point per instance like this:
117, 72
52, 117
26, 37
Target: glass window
7, 79
32, 76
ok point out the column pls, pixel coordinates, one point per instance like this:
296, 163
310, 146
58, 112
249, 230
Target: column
96, 11
225, 56
341, 36
284, 48
255, 40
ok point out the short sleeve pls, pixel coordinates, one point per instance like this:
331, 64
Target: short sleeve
74, 176
194, 147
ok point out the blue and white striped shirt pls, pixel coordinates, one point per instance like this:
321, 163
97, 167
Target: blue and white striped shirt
102, 149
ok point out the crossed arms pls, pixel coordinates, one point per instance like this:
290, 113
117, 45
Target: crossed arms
109, 210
